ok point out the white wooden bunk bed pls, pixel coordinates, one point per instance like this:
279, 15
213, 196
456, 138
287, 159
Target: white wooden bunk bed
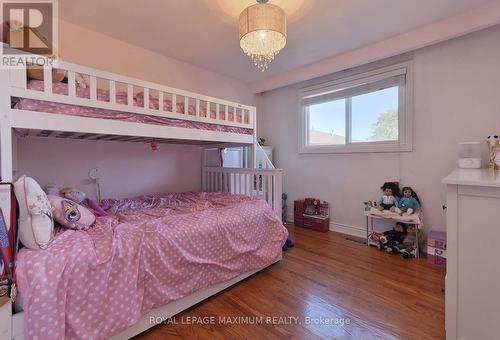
265, 183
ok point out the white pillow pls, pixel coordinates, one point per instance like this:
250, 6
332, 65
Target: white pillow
36, 225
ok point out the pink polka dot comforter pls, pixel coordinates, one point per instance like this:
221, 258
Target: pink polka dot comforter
152, 250
121, 98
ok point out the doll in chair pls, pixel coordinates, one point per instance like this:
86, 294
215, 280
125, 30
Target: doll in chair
409, 203
389, 200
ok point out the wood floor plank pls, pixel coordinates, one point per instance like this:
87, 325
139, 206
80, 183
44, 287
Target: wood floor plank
363, 292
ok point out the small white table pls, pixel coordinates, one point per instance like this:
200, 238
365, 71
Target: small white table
369, 226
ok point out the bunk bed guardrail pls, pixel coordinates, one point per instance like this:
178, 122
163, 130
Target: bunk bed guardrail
202, 105
262, 183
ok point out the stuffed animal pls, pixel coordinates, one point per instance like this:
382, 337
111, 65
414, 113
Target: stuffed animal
391, 239
389, 198
409, 203
494, 151
72, 194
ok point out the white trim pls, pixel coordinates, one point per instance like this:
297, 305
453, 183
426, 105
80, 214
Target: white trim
354, 80
405, 112
348, 229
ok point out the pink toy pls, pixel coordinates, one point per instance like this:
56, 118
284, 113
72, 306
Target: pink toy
95, 207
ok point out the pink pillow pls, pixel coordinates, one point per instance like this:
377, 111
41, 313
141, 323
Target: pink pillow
70, 214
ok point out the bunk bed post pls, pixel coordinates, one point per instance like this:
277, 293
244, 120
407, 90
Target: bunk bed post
5, 128
6, 176
253, 152
278, 192
6, 147
203, 169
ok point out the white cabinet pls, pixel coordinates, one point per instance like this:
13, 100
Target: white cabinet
473, 263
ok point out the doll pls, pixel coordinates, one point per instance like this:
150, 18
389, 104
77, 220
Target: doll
409, 242
389, 200
409, 203
391, 239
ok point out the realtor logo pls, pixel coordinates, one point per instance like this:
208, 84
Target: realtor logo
29, 32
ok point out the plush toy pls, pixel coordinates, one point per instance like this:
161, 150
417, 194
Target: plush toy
368, 205
95, 207
409, 203
494, 151
389, 200
391, 239
409, 242
72, 194
53, 190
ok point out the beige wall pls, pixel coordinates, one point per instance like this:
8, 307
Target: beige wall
456, 98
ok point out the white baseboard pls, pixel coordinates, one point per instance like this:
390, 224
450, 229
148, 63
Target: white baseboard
348, 229
339, 227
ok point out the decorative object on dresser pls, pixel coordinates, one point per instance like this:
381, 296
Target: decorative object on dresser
472, 265
469, 155
494, 151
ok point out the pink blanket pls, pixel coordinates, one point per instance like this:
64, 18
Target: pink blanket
121, 98
93, 284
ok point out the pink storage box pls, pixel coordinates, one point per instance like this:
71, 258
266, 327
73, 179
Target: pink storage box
437, 239
436, 256
436, 248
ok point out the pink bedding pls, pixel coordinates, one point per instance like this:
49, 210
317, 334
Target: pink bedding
154, 250
121, 98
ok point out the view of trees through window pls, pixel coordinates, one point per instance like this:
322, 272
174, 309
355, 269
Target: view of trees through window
373, 117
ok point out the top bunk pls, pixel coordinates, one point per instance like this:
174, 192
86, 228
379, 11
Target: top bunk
74, 101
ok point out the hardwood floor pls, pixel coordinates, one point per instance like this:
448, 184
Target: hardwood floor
363, 292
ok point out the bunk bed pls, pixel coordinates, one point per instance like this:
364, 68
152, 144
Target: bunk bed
112, 107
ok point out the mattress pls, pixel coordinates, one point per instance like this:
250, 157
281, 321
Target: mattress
151, 251
121, 98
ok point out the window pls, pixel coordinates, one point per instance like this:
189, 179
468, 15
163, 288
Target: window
369, 112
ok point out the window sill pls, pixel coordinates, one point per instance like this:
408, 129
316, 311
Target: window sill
357, 148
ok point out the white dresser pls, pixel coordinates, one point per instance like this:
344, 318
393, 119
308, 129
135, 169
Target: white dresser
473, 255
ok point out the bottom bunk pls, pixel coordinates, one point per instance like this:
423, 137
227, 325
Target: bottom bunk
149, 252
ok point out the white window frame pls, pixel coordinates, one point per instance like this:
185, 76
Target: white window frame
405, 112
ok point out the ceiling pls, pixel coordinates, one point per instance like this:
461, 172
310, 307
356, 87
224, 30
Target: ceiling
205, 32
